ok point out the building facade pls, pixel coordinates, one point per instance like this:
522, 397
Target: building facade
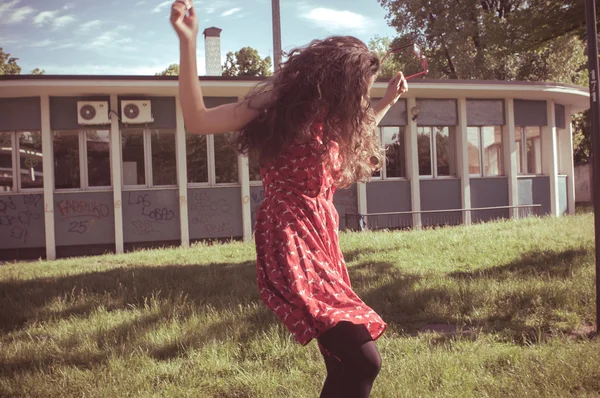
90, 164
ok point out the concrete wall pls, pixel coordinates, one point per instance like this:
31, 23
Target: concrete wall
441, 194
583, 183
489, 192
535, 191
389, 197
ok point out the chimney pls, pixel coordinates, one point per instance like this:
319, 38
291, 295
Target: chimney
212, 45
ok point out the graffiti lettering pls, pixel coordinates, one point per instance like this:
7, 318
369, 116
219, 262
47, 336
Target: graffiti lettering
6, 203
82, 208
258, 197
158, 214
81, 227
203, 203
138, 199
17, 215
145, 227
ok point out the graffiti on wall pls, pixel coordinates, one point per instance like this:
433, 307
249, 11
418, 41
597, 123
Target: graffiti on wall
18, 214
151, 218
212, 214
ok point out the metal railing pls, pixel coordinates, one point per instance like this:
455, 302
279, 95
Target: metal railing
437, 218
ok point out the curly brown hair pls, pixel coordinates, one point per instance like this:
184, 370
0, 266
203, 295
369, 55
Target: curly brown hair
326, 82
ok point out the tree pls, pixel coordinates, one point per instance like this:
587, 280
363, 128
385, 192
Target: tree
38, 71
8, 64
494, 39
172, 70
535, 40
247, 62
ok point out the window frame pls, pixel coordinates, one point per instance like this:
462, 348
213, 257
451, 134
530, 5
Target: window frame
15, 164
209, 164
149, 178
482, 173
434, 155
523, 151
383, 174
212, 169
84, 185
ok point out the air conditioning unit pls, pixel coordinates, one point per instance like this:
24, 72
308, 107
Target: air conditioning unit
136, 111
92, 112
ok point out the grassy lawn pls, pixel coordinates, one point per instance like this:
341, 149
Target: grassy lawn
519, 296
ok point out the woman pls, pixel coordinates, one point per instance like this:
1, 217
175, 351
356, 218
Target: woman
313, 129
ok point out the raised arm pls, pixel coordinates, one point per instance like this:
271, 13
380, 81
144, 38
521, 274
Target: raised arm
396, 87
198, 119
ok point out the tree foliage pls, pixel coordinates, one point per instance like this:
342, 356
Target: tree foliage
172, 70
527, 40
247, 62
8, 64
495, 39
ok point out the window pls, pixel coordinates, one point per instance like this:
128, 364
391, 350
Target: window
529, 149
437, 151
148, 157
81, 159
484, 149
392, 139
21, 165
197, 158
254, 167
226, 166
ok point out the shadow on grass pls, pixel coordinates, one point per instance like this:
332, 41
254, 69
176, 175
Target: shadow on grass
408, 302
534, 264
405, 301
163, 295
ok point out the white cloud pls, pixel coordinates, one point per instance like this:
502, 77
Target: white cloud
10, 14
68, 6
139, 3
19, 14
43, 43
334, 20
44, 17
231, 11
162, 5
51, 18
63, 21
94, 69
87, 26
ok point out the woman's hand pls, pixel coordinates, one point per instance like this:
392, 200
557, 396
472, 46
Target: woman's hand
184, 19
396, 87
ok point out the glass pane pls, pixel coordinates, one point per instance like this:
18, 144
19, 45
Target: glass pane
519, 148
492, 150
226, 170
424, 149
534, 150
474, 150
444, 151
31, 165
393, 141
6, 165
254, 167
66, 160
98, 158
134, 169
164, 166
197, 159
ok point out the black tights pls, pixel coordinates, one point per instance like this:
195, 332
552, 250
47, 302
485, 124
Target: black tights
352, 361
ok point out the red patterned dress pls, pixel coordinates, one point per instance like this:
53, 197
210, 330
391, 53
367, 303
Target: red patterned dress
302, 276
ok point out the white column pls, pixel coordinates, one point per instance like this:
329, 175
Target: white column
181, 159
244, 178
48, 164
462, 154
549, 156
116, 172
361, 197
567, 164
412, 163
510, 156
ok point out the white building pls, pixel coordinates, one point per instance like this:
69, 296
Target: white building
458, 152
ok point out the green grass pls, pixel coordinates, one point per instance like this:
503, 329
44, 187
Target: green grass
189, 322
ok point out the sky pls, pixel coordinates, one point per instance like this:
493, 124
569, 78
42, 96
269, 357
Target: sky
135, 37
